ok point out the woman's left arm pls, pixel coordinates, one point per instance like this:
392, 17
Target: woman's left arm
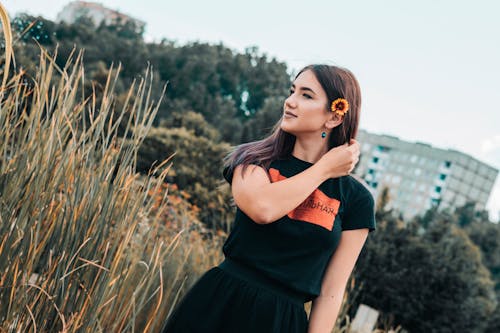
326, 306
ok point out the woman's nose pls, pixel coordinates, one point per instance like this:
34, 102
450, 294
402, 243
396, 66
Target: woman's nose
290, 102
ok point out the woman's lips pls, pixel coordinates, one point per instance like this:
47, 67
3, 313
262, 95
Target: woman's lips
288, 113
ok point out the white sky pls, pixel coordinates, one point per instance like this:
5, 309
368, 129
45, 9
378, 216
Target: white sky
429, 70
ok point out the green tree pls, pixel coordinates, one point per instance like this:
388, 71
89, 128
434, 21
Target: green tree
263, 121
196, 169
226, 87
434, 282
382, 210
263, 78
193, 122
486, 235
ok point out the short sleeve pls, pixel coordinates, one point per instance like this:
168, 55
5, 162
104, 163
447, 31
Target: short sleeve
360, 211
228, 172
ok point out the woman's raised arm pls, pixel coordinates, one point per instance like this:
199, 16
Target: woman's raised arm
265, 202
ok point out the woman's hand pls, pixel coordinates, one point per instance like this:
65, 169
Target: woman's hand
341, 160
265, 201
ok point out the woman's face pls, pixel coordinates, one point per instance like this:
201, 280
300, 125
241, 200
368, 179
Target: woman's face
305, 110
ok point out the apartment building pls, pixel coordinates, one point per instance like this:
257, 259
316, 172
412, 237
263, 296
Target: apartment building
420, 176
95, 11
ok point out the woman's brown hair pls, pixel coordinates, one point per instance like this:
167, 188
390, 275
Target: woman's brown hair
337, 82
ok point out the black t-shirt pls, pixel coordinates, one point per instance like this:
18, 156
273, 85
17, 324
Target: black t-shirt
295, 249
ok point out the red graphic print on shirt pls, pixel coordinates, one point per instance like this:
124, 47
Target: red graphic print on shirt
318, 208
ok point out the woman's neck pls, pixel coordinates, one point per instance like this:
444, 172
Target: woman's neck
310, 151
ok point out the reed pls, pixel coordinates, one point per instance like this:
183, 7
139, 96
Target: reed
84, 243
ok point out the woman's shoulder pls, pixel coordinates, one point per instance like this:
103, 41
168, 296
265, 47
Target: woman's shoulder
228, 170
357, 187
360, 205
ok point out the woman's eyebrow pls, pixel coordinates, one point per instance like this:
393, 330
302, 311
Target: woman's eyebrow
304, 88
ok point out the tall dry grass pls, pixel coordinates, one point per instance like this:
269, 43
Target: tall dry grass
7, 32
84, 242
71, 250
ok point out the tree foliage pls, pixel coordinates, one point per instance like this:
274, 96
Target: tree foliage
435, 273
226, 87
196, 168
434, 282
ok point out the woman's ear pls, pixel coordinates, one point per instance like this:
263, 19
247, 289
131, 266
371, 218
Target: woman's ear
334, 121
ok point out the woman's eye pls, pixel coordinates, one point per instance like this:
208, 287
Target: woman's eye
290, 92
307, 96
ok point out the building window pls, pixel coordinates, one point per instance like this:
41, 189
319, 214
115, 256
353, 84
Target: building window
447, 164
374, 184
438, 189
371, 171
442, 176
375, 159
382, 148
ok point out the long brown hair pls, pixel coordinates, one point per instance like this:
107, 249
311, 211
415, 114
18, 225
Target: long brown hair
337, 82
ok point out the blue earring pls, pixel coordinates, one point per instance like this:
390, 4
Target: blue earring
323, 135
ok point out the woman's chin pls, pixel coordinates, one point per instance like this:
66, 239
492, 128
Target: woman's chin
286, 129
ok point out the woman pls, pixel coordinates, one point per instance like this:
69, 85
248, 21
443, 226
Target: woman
301, 219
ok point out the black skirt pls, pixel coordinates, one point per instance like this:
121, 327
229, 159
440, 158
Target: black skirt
234, 298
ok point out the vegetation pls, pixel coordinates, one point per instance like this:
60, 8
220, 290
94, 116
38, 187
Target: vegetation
86, 242
112, 202
432, 274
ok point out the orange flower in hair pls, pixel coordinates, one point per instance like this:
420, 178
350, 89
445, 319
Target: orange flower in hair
340, 106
